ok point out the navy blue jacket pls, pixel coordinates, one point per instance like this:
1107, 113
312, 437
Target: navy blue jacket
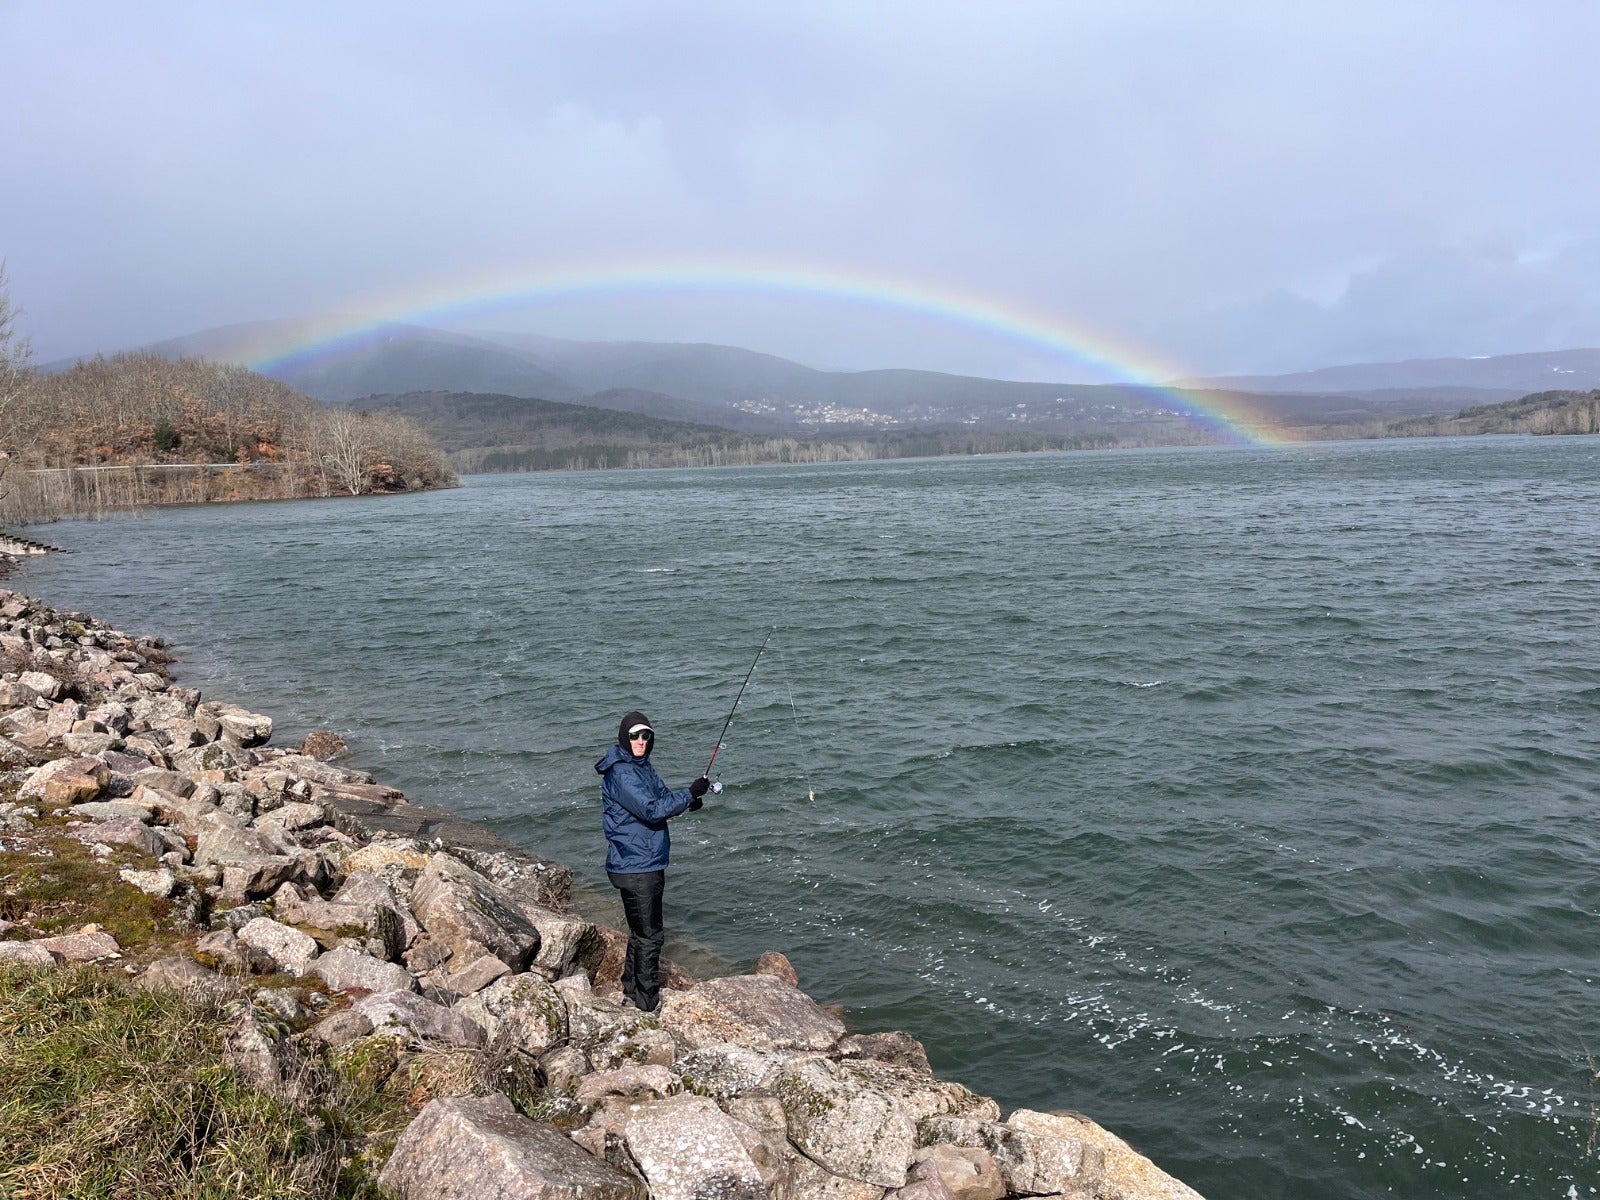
634, 808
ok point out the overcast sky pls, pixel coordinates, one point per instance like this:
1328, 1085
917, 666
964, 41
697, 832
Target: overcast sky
1222, 186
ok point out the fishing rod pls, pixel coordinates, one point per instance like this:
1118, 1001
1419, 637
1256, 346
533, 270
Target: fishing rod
717, 749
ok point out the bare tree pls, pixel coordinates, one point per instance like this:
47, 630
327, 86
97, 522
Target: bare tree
346, 449
15, 355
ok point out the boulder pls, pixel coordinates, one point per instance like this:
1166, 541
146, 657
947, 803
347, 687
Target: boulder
648, 1044
346, 970
966, 1173
87, 945
232, 724
894, 1047
688, 1149
289, 949
224, 846
922, 1183
295, 815
427, 1020
44, 685
778, 966
26, 954
1128, 1175
369, 893
66, 781
340, 1028
760, 1012
212, 756
124, 831
14, 755
476, 975
471, 915
917, 1092
1031, 1163
254, 878
330, 920
323, 745
110, 810
480, 1148
159, 883
560, 936
845, 1127
231, 954
179, 973
522, 1012
725, 1072
526, 876
632, 1081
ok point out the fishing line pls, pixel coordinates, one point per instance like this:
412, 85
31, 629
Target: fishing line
788, 680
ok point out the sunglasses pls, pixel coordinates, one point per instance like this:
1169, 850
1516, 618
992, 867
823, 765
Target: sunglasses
644, 735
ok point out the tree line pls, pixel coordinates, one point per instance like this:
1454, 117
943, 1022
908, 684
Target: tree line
136, 429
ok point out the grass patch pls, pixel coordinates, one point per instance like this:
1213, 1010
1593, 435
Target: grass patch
115, 1091
57, 886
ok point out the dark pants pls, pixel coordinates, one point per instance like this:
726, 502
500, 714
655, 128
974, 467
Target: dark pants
641, 903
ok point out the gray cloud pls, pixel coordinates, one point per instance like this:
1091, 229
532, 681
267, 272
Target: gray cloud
1233, 187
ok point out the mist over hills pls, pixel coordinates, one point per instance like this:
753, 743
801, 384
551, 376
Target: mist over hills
751, 392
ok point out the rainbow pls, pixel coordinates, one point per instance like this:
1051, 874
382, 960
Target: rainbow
1219, 412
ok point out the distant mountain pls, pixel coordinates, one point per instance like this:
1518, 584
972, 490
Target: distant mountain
1510, 375
744, 390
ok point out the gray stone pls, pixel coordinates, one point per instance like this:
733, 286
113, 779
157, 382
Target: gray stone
212, 756
472, 916
481, 1149
632, 1081
234, 956
476, 976
87, 945
1128, 1175
366, 890
346, 970
66, 781
89, 742
1031, 1163
289, 949
282, 1003
760, 1012
894, 1047
232, 724
966, 1173
562, 1067
294, 816
26, 954
724, 1072
340, 1028
160, 882
161, 780
523, 1012
526, 876
330, 919
124, 831
689, 1150
648, 1045
918, 1093
41, 684
179, 973
253, 878
430, 1021
843, 1126
110, 810
560, 935
227, 846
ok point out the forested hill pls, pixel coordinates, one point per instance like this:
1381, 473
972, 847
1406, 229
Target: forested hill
1539, 413
139, 429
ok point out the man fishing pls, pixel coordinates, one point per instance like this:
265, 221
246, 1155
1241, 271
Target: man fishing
635, 807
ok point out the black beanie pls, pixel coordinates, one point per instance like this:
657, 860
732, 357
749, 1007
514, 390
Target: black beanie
628, 722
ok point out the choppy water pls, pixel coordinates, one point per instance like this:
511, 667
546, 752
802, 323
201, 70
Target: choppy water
1246, 800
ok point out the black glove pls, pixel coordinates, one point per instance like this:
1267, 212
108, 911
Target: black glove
699, 787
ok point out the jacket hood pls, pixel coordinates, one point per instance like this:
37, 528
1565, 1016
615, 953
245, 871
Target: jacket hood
628, 722
613, 756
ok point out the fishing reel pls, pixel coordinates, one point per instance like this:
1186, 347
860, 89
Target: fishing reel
716, 787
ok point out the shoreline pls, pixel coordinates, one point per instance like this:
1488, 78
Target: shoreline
421, 929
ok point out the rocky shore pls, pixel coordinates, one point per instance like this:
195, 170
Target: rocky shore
332, 915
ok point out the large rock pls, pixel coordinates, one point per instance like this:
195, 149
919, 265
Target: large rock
41, 684
635, 1082
232, 724
1031, 1163
724, 1072
289, 949
26, 954
346, 970
523, 1012
87, 945
688, 1150
966, 1173
125, 831
760, 1012
328, 919
845, 1127
481, 1149
212, 756
918, 1092
560, 936
472, 916
427, 1020
224, 846
369, 893
66, 781
1129, 1175
526, 876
